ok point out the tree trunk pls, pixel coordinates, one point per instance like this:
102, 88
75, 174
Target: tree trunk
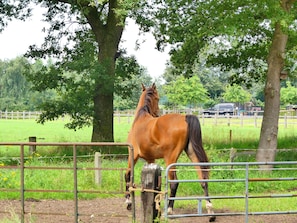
269, 130
103, 100
108, 35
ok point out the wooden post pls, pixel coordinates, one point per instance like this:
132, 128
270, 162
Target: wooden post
151, 180
255, 119
241, 119
32, 148
98, 165
129, 117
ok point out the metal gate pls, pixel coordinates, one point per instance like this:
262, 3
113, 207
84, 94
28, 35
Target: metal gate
247, 167
22, 166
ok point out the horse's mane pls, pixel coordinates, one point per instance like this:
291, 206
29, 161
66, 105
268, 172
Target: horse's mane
150, 105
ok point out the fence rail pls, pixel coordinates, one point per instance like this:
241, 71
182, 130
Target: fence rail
254, 120
246, 195
22, 166
19, 114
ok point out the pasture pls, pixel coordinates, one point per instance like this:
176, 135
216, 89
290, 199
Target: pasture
217, 140
217, 133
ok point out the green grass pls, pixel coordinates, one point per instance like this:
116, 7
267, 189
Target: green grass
216, 138
219, 136
113, 181
21, 130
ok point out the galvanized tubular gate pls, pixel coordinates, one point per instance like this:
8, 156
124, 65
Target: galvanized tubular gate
245, 166
75, 169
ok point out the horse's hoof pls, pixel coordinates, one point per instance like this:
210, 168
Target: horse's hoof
129, 207
212, 218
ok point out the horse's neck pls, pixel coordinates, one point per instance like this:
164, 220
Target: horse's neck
139, 106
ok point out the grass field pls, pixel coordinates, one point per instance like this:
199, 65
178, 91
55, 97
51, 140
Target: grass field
19, 131
219, 136
216, 138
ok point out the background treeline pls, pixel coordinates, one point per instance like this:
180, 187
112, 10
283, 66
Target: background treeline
18, 93
208, 87
15, 91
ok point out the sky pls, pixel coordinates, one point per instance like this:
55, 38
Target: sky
18, 35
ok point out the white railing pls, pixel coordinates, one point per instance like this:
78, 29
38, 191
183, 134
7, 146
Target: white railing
19, 114
253, 119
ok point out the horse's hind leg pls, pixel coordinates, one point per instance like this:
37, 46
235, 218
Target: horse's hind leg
203, 174
173, 189
208, 202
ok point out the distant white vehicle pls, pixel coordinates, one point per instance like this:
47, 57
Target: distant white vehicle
221, 109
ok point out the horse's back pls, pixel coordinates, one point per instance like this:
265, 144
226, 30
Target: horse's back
171, 123
160, 135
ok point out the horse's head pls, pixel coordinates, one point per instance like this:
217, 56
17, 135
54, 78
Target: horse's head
149, 101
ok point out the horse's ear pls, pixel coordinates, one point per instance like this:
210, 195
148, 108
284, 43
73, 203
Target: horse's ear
143, 87
154, 86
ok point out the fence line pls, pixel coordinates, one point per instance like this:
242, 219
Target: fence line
75, 168
254, 120
19, 114
247, 167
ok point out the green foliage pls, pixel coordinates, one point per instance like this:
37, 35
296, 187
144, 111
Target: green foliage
59, 91
129, 77
15, 91
186, 91
8, 178
235, 93
289, 94
13, 9
83, 37
75, 81
240, 31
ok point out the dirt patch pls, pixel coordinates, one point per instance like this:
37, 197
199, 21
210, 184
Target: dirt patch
111, 210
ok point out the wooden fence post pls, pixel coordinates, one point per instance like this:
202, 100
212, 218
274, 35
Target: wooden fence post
255, 120
150, 180
98, 165
32, 148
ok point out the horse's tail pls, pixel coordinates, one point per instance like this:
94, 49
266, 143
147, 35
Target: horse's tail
195, 138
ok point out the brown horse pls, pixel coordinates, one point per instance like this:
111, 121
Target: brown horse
155, 137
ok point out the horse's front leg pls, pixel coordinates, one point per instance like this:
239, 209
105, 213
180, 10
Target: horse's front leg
127, 196
128, 180
173, 189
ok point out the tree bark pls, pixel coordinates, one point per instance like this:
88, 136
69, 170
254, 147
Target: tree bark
269, 131
108, 34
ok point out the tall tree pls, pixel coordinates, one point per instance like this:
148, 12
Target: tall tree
247, 32
235, 93
289, 94
186, 91
276, 62
76, 23
13, 85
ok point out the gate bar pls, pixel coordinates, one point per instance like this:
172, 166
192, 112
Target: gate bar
75, 185
74, 145
246, 180
22, 165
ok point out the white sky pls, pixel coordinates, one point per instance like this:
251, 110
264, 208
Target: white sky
18, 35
